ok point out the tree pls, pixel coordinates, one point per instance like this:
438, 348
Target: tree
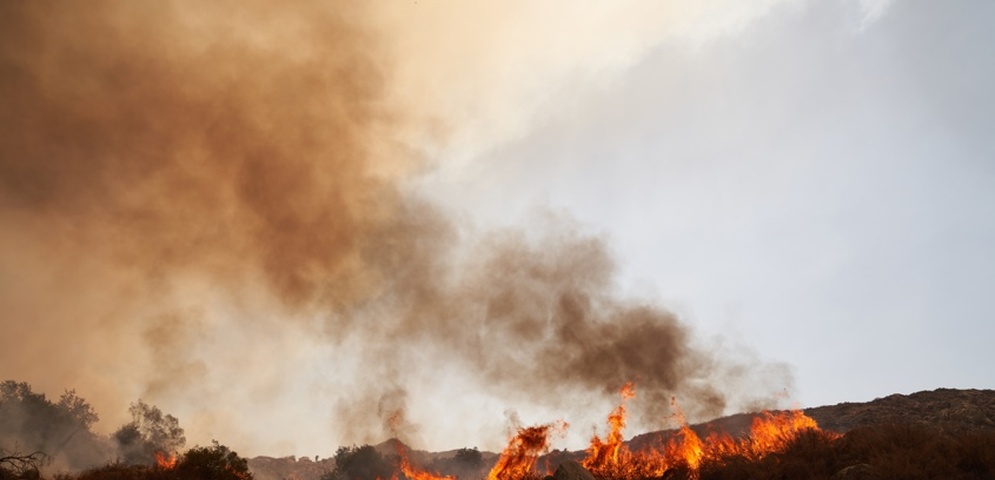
216, 462
469, 457
28, 416
38, 424
149, 432
77, 410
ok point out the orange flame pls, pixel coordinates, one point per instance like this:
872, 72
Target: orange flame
517, 461
610, 458
689, 450
165, 461
414, 473
770, 432
686, 448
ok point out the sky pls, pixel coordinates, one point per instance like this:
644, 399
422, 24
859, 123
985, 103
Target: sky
302, 228
817, 186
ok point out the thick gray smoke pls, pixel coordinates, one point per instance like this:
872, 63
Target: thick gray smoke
194, 203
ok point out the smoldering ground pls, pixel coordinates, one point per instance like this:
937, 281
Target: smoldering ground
210, 207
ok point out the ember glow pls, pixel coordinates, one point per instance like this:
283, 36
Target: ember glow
165, 461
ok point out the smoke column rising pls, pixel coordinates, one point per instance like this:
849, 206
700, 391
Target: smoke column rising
209, 207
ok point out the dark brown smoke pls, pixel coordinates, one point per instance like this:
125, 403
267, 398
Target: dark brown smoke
161, 162
189, 145
542, 317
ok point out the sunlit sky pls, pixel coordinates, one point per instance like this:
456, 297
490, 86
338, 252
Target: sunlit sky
817, 185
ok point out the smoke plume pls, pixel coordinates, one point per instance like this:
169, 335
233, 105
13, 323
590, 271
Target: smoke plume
210, 207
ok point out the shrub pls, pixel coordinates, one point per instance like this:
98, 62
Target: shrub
216, 462
360, 463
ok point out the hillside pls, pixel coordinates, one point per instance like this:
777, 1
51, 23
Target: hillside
948, 410
944, 407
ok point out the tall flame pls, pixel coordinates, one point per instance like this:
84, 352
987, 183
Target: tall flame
610, 458
517, 461
686, 448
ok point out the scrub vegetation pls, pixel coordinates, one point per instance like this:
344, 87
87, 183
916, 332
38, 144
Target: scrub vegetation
941, 434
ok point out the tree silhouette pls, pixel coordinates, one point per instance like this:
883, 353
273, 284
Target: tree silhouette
216, 462
35, 423
359, 463
149, 432
16, 465
467, 463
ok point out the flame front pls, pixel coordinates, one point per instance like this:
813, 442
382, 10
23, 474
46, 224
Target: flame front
770, 432
517, 461
774, 432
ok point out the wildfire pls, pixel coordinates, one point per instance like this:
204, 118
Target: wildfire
611, 459
770, 432
517, 461
165, 461
414, 473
